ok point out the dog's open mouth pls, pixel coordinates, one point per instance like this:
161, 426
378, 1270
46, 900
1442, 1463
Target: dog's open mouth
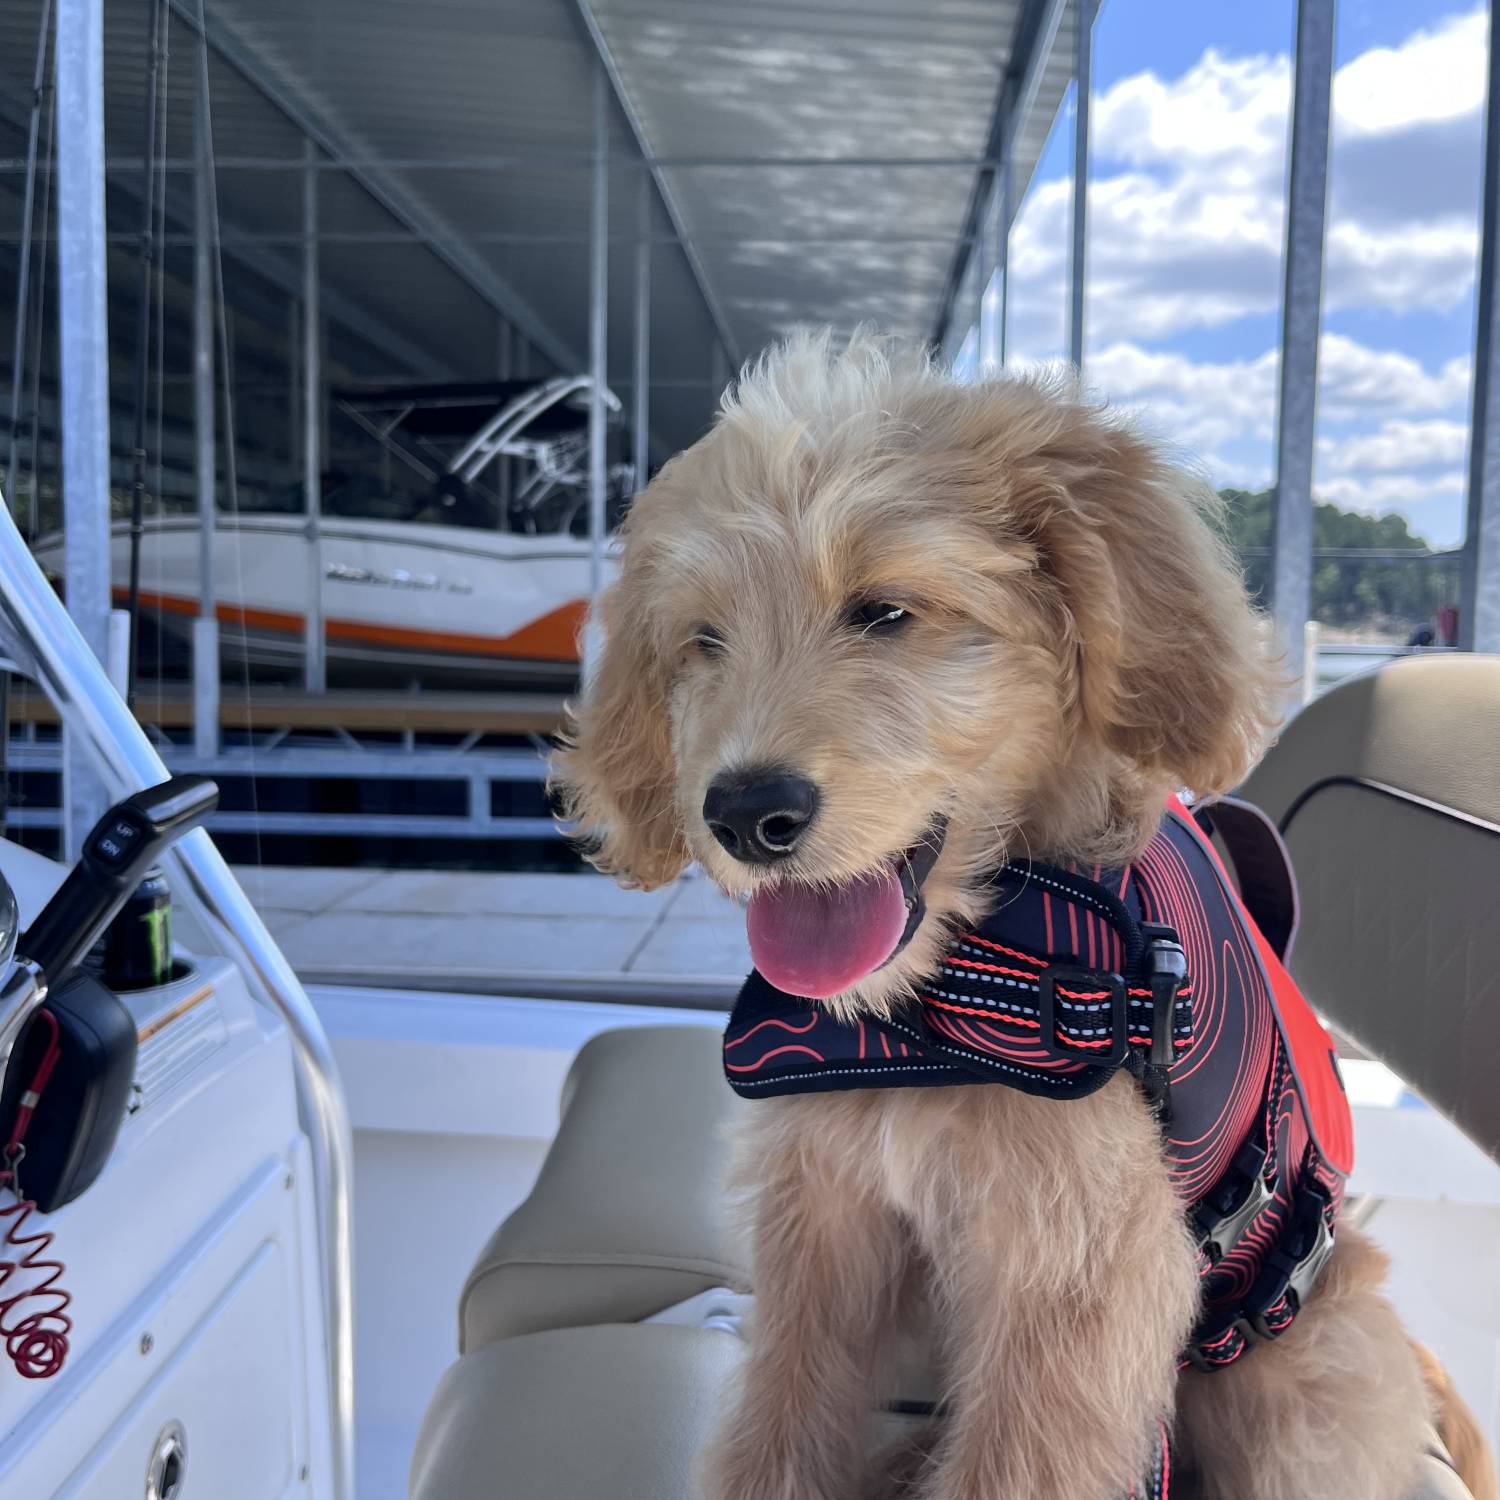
820, 940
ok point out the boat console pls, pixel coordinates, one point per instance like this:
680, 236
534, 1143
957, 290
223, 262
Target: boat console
159, 1302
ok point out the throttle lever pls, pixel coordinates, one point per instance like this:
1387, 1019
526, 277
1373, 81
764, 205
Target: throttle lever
123, 845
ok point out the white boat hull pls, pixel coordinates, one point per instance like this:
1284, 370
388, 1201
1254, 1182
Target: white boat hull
400, 601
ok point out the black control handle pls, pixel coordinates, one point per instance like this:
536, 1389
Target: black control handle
124, 844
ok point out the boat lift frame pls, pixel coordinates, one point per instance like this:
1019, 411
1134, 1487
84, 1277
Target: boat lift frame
981, 246
978, 278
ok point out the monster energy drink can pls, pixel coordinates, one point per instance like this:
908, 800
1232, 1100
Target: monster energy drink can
138, 945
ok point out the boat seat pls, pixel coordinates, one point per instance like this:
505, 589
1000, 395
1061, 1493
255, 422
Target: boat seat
1387, 791
627, 1219
628, 1216
612, 1413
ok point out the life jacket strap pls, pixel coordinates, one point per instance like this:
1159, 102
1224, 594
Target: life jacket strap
1103, 1018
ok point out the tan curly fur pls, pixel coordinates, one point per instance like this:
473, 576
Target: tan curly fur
1080, 644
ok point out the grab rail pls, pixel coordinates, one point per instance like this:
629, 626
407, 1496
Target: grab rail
43, 642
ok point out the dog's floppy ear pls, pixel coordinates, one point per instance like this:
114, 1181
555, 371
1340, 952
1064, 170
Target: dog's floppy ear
1174, 668
613, 773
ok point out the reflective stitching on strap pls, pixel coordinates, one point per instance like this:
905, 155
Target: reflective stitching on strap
915, 1067
1082, 897
989, 1062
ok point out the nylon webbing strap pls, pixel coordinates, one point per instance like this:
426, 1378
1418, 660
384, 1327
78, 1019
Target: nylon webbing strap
1262, 866
1090, 1014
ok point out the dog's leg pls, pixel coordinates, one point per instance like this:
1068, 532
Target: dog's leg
1068, 1285
828, 1261
1335, 1409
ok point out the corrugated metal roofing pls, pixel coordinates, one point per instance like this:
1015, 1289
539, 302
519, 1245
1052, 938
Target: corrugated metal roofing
880, 79
390, 85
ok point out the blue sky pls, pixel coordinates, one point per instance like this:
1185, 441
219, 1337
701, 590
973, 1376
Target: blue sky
1188, 162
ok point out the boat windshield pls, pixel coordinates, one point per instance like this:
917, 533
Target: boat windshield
367, 497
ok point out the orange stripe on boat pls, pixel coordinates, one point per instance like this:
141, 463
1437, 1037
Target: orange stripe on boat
551, 637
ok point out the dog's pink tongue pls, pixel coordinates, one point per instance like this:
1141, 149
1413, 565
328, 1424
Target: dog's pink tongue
819, 942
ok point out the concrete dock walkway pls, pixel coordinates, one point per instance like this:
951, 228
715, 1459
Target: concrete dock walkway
548, 933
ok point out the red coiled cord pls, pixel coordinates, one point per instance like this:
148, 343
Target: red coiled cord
36, 1338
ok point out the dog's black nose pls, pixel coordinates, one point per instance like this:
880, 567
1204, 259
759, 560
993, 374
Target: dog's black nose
759, 815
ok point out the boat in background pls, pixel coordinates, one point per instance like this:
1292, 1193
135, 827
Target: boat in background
469, 566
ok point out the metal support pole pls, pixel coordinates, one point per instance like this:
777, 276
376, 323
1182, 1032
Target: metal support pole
505, 340
142, 381
598, 345
23, 271
1082, 88
83, 339
1479, 564
1301, 317
315, 675
1020, 85
294, 382
987, 252
1005, 211
640, 428
206, 626
991, 250
598, 328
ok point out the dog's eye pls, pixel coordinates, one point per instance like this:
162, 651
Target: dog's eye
879, 617
708, 640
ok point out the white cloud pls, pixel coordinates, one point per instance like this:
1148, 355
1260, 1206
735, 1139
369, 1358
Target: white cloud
1431, 503
1357, 382
1186, 229
1186, 197
1214, 400
1392, 434
1398, 446
1435, 74
1200, 405
1222, 109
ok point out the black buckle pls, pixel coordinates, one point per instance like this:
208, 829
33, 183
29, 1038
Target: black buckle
1085, 981
1293, 1267
1242, 1197
1166, 971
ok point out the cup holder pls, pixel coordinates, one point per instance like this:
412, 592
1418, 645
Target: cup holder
181, 969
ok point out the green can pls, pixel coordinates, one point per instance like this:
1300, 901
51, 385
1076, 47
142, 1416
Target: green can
138, 945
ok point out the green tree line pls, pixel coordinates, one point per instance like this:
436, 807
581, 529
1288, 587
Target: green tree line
1390, 596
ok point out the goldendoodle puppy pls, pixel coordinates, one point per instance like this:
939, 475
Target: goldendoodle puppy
874, 602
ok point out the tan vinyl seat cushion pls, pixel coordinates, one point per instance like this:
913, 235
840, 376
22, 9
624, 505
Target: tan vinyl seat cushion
1387, 789
627, 1217
629, 1213
611, 1413
1427, 725
618, 1412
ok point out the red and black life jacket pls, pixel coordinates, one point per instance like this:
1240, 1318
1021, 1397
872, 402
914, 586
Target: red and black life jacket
1158, 968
